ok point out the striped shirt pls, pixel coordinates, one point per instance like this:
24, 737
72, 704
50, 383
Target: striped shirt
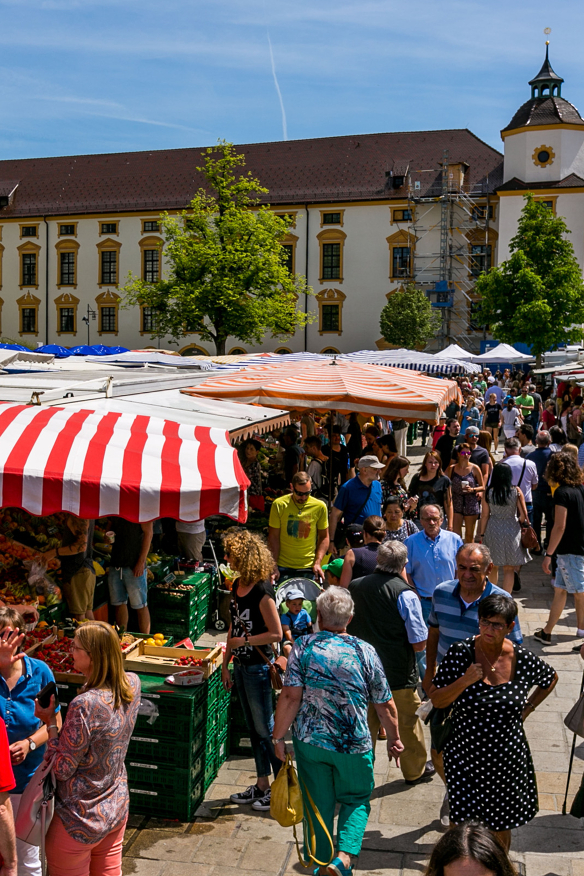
455, 621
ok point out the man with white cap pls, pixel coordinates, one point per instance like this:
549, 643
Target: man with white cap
357, 499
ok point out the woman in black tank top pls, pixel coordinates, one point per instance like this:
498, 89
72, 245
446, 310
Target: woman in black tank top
255, 625
363, 561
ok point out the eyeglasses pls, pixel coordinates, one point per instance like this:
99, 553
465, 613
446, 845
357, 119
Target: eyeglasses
431, 519
75, 647
487, 623
302, 492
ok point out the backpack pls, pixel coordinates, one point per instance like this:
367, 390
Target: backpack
322, 492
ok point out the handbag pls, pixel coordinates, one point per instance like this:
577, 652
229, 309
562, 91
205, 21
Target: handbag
529, 538
574, 720
276, 668
287, 806
36, 809
440, 721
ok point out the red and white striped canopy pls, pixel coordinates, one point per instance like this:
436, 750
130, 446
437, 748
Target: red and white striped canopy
93, 465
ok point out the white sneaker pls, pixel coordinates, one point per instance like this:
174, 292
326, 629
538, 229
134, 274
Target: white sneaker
263, 803
445, 812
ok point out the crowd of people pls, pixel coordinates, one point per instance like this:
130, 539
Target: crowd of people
416, 619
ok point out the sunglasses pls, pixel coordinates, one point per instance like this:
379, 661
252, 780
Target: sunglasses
465, 452
302, 492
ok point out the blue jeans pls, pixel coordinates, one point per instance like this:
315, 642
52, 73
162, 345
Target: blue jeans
529, 509
255, 694
421, 655
122, 584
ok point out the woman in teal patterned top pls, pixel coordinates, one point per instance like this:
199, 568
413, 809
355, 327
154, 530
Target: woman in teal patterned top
330, 680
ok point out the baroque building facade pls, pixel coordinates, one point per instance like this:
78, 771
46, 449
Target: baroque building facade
370, 213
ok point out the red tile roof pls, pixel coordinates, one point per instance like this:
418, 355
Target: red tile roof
329, 169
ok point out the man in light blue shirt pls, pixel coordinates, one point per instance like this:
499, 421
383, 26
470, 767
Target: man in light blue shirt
431, 556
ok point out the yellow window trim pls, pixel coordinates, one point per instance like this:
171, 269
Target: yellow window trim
28, 300
25, 249
32, 224
331, 235
151, 219
67, 244
1, 254
400, 207
67, 300
108, 222
108, 245
552, 198
330, 296
324, 224
291, 240
108, 299
399, 239
67, 236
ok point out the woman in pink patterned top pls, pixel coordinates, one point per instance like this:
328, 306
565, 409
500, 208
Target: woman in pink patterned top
92, 800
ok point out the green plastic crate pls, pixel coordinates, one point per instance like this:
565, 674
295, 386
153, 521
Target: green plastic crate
163, 804
164, 778
169, 639
181, 753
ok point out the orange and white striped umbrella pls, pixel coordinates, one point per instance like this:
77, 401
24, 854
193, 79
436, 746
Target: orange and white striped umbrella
393, 393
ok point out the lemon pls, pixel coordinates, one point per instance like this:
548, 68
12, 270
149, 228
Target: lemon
158, 635
150, 642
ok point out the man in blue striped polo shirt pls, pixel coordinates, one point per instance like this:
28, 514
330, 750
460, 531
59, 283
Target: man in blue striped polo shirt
454, 617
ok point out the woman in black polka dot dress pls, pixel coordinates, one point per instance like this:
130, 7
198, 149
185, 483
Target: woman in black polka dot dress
487, 761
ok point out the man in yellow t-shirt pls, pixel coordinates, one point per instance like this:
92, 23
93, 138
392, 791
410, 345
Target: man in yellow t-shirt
298, 531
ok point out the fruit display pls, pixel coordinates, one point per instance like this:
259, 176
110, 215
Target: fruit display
57, 655
39, 533
128, 641
38, 635
189, 661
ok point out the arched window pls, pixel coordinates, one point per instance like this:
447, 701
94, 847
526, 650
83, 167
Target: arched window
281, 351
237, 351
329, 351
193, 350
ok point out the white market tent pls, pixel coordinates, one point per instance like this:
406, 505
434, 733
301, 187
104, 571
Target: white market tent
502, 353
427, 362
455, 351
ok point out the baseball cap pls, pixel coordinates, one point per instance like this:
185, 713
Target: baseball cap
294, 593
354, 528
335, 567
472, 430
369, 462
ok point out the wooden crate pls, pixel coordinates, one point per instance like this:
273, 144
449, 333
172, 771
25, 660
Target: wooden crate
161, 661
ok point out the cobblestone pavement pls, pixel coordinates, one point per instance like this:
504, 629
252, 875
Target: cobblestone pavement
404, 825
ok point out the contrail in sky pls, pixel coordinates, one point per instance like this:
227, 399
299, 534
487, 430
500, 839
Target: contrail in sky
284, 124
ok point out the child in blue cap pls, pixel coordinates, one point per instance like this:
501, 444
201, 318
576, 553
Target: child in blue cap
296, 622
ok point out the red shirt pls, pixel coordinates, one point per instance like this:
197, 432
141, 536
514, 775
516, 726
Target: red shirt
7, 782
548, 418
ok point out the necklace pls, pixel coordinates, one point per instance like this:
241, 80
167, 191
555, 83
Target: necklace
492, 666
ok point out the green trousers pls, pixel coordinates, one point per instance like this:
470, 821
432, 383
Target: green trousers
332, 778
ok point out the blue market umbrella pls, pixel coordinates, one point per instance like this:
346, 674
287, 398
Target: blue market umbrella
17, 347
54, 350
83, 350
100, 350
115, 351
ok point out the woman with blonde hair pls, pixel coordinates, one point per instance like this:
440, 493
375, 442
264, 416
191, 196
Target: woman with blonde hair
92, 801
255, 627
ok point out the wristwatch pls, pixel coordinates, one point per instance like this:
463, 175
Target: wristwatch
548, 555
31, 743
275, 741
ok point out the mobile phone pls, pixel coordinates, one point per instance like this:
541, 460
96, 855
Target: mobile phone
44, 695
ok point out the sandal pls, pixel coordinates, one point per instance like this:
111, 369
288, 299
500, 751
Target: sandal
337, 868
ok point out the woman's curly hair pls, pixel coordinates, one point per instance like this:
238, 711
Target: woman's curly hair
564, 470
248, 555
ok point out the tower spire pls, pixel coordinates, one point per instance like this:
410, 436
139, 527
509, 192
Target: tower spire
547, 83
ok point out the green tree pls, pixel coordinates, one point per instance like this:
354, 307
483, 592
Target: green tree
537, 295
225, 267
408, 319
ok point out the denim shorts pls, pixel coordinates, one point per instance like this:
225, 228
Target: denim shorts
570, 573
123, 584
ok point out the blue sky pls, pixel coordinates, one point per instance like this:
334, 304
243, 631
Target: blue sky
81, 76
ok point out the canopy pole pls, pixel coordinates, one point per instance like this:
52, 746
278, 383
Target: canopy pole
330, 497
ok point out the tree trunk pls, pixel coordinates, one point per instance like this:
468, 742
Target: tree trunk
538, 360
220, 346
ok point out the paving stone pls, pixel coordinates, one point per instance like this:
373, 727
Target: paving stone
547, 865
376, 863
413, 865
141, 867
266, 855
164, 846
214, 850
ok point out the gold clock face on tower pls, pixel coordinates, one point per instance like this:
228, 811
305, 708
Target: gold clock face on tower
543, 156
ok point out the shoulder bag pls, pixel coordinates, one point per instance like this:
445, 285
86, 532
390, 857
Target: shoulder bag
440, 722
574, 720
287, 807
528, 537
277, 668
36, 809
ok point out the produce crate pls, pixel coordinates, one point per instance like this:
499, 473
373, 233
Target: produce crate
158, 777
182, 712
164, 661
180, 753
183, 595
164, 567
169, 639
215, 755
166, 804
53, 614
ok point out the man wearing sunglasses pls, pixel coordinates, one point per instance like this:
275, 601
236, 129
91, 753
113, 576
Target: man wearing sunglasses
298, 534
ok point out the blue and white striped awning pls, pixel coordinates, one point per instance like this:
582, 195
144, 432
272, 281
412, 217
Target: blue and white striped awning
275, 359
413, 360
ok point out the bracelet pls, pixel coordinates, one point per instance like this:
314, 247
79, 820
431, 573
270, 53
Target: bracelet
275, 741
51, 726
528, 703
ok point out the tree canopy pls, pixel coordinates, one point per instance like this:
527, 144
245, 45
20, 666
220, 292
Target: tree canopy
408, 319
225, 265
537, 295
